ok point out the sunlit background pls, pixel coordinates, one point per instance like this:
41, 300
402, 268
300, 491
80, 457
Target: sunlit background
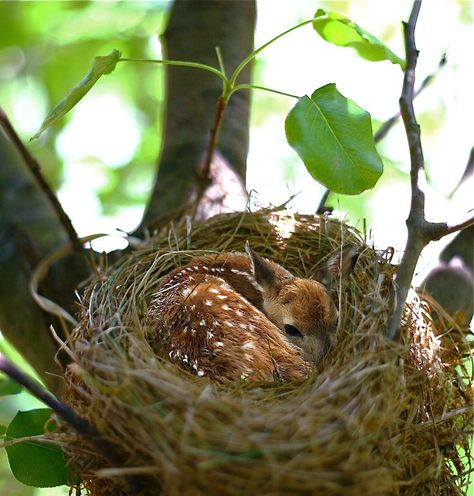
102, 156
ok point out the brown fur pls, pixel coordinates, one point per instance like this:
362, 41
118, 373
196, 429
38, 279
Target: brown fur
215, 320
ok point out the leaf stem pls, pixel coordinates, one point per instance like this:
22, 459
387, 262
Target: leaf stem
263, 88
250, 57
179, 63
220, 60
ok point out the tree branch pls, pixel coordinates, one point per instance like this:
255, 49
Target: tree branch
206, 178
86, 430
81, 425
416, 219
35, 169
388, 124
420, 231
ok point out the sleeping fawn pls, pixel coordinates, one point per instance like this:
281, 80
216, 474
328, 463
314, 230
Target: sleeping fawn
234, 316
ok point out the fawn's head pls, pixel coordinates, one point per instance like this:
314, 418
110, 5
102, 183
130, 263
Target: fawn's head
303, 309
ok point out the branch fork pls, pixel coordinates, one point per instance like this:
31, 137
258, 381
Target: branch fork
420, 231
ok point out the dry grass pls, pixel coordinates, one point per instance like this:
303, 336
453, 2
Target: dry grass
377, 418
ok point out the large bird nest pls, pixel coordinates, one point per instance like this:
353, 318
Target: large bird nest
377, 417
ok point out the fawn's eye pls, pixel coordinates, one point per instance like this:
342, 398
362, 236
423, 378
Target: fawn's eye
292, 331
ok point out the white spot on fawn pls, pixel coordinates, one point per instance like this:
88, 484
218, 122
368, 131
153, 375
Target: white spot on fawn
210, 335
214, 290
219, 344
202, 322
222, 297
208, 303
225, 307
239, 313
249, 345
200, 373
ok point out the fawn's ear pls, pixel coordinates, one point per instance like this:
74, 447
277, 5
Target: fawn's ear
339, 266
262, 269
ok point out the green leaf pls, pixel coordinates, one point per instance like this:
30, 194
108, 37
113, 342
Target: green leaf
9, 386
101, 65
341, 31
34, 463
333, 137
3, 429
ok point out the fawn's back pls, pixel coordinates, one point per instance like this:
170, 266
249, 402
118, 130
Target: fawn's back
236, 316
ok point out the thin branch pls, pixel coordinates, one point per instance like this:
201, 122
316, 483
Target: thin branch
322, 203
452, 228
420, 231
388, 124
220, 108
417, 238
81, 425
468, 171
205, 173
35, 169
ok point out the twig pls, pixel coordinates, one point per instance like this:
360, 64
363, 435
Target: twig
452, 228
35, 169
388, 124
322, 203
468, 171
81, 425
220, 108
205, 174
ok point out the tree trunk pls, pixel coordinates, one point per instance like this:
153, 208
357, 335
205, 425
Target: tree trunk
195, 28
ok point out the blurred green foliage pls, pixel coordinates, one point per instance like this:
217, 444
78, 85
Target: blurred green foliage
47, 47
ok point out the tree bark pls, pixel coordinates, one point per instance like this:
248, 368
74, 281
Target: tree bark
29, 231
195, 28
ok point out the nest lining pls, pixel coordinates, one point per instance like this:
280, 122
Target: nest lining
376, 417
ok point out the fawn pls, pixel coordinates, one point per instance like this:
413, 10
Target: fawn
238, 316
